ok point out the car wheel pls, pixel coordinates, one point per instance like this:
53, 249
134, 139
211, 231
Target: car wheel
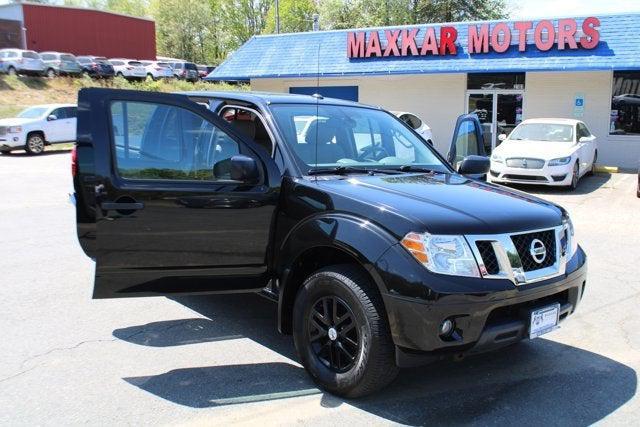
119, 74
35, 144
12, 71
593, 164
150, 77
341, 332
575, 176
51, 73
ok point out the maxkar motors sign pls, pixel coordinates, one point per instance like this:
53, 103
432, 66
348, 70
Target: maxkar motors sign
481, 38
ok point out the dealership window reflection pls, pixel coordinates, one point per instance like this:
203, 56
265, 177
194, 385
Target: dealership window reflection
625, 103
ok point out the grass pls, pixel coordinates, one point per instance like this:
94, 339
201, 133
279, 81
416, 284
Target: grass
18, 93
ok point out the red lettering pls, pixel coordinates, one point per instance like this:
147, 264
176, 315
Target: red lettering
567, 33
522, 28
547, 44
591, 34
429, 44
409, 42
478, 41
448, 36
373, 46
496, 44
392, 43
355, 45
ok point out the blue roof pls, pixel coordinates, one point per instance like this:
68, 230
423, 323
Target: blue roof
325, 53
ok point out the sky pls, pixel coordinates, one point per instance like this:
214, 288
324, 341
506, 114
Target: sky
524, 9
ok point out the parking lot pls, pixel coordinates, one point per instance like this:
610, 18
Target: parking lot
68, 359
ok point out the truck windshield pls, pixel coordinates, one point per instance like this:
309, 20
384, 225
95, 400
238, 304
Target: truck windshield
32, 113
327, 136
548, 132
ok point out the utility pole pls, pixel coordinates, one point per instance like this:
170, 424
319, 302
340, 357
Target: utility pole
277, 17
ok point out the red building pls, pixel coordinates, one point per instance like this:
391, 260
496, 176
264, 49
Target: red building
82, 31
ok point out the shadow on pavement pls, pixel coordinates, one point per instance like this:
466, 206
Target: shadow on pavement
22, 154
532, 383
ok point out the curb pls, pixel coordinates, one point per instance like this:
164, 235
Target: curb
607, 169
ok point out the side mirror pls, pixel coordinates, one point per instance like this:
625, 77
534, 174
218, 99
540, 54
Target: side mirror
244, 169
430, 142
474, 165
52, 117
584, 139
502, 137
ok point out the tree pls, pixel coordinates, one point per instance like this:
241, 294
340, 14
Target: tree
183, 28
241, 20
295, 16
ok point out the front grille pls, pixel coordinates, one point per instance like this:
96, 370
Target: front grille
3, 130
526, 177
488, 256
525, 163
522, 243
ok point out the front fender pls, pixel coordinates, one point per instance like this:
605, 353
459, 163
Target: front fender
357, 238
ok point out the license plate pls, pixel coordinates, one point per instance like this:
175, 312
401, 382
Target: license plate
544, 320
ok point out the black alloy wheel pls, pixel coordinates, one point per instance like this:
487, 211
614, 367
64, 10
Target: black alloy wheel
341, 332
333, 333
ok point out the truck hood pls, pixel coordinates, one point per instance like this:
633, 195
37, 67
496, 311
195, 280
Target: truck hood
535, 149
15, 121
440, 204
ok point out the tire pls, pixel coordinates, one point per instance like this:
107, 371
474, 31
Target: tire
592, 170
35, 143
324, 339
119, 74
12, 71
575, 176
50, 73
150, 76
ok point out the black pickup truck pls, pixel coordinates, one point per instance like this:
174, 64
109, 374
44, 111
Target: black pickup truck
379, 253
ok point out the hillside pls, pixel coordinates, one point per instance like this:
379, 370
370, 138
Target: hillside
17, 93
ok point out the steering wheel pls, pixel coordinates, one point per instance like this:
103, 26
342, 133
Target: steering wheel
375, 152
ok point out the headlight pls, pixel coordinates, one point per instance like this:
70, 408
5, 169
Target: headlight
442, 253
14, 129
496, 158
560, 161
572, 242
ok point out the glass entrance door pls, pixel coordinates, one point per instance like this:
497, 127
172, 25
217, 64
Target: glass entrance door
499, 113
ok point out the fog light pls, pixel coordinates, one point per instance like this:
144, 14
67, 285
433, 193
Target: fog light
446, 327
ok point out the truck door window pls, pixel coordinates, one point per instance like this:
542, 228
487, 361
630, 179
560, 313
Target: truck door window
155, 141
249, 124
466, 141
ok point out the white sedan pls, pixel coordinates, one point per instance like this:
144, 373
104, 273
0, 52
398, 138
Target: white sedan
38, 126
416, 123
545, 151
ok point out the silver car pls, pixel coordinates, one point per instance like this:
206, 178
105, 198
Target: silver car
60, 64
18, 61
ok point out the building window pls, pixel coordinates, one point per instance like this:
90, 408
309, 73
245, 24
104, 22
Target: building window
625, 103
492, 81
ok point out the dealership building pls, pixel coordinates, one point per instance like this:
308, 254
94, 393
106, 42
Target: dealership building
504, 71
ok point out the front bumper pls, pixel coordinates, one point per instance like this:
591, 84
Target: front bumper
484, 321
547, 175
11, 141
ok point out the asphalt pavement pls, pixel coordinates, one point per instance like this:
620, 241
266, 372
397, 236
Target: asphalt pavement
66, 359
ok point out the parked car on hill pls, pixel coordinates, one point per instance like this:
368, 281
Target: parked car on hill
158, 70
128, 68
415, 123
38, 126
60, 64
96, 66
185, 71
204, 70
555, 152
378, 254
18, 61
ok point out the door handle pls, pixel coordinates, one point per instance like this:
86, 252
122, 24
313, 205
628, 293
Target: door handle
116, 206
